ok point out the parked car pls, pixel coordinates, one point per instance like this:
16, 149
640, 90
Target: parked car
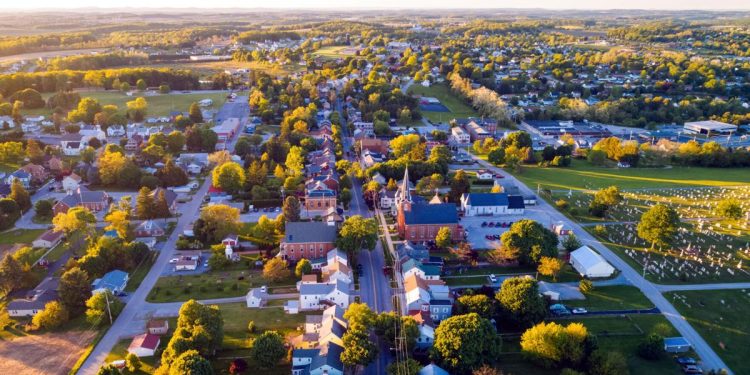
263, 289
579, 310
173, 260
484, 224
686, 361
692, 369
491, 225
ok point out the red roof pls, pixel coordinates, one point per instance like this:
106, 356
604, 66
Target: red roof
214, 189
146, 340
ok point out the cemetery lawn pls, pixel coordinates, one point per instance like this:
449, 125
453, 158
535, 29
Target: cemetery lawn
719, 323
616, 297
582, 175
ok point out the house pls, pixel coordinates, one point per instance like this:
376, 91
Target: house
149, 228
417, 292
54, 164
88, 132
231, 240
255, 298
426, 336
114, 281
331, 216
484, 174
308, 240
72, 144
408, 250
388, 200
48, 239
415, 267
366, 128
324, 360
133, 143
374, 144
419, 221
589, 263
185, 264
318, 196
35, 300
71, 183
169, 195
144, 345
38, 173
336, 255
432, 369
157, 326
115, 131
459, 137
291, 307
337, 271
21, 176
676, 345
379, 178
490, 204
319, 296
93, 200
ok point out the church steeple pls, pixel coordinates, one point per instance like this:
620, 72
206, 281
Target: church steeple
405, 193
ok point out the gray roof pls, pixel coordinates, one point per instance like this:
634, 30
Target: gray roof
315, 289
45, 292
83, 195
432, 369
487, 199
305, 232
515, 201
444, 213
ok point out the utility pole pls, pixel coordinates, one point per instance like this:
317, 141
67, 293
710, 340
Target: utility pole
109, 312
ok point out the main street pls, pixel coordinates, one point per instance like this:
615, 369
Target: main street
710, 360
122, 327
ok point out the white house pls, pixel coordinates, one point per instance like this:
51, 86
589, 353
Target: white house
337, 271
426, 272
426, 336
417, 293
48, 239
336, 255
71, 183
254, 298
319, 296
325, 360
589, 263
193, 168
491, 204
484, 174
144, 345
93, 131
459, 137
116, 131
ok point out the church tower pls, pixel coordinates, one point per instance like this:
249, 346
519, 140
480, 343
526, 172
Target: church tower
403, 195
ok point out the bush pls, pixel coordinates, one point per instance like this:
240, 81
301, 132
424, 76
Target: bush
652, 348
585, 286
251, 326
600, 230
562, 204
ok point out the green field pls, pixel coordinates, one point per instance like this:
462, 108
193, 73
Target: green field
582, 175
457, 106
335, 52
158, 104
617, 297
719, 317
22, 236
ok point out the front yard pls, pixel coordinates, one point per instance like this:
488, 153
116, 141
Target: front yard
213, 284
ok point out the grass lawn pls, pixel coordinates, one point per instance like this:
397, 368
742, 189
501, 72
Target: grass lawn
158, 105
335, 52
617, 297
137, 276
120, 351
582, 175
7, 167
22, 236
457, 106
465, 280
719, 317
218, 284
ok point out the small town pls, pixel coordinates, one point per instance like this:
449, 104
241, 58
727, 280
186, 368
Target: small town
377, 188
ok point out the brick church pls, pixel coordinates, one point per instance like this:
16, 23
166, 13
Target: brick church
419, 220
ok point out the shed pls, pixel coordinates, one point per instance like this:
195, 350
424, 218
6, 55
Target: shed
144, 345
158, 326
589, 263
676, 345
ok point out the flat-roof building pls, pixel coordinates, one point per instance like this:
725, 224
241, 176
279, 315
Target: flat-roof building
709, 128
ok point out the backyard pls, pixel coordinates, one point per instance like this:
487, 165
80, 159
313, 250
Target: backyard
719, 317
457, 106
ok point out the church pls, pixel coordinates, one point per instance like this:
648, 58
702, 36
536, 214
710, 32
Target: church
419, 220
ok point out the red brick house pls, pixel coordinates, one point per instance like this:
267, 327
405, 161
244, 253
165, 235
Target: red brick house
93, 200
307, 240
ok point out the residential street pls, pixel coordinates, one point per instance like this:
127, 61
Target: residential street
652, 291
137, 302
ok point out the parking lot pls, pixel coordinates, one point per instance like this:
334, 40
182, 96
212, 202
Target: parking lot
477, 234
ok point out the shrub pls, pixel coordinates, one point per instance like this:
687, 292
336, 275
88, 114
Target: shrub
251, 326
562, 204
585, 286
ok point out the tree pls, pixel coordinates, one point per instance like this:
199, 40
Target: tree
345, 197
53, 316
9, 213
101, 306
85, 112
651, 348
74, 290
295, 160
291, 208
360, 314
571, 243
229, 177
549, 266
303, 267
521, 301
359, 349
530, 240
404, 144
407, 367
34, 151
358, 233
585, 286
268, 349
275, 270
43, 208
729, 208
444, 236
476, 303
11, 273
608, 363
171, 174
161, 206
604, 199
552, 345
20, 195
108, 370
140, 85
175, 142
659, 225
77, 219
144, 204
216, 222
119, 221
191, 362
464, 342
133, 362
237, 366
392, 185
459, 185
137, 109
195, 114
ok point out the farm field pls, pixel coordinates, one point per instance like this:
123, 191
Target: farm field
158, 104
720, 317
458, 108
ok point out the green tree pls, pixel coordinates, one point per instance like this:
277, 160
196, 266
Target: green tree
108, 370
659, 225
140, 85
608, 363
730, 208
530, 241
20, 195
192, 363
137, 109
459, 185
161, 206
407, 367
303, 267
496, 156
195, 114
97, 311
521, 301
11, 273
77, 219
54, 315
404, 144
144, 204
216, 222
229, 177
549, 266
358, 233
291, 208
268, 349
43, 208
9, 213
552, 345
133, 363
464, 342
275, 270
359, 349
651, 348
604, 199
175, 142
360, 314
571, 243
444, 236
345, 197
74, 290
476, 303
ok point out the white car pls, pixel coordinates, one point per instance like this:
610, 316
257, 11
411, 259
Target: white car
173, 260
579, 310
263, 289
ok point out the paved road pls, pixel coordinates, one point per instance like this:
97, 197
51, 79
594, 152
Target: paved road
137, 303
710, 359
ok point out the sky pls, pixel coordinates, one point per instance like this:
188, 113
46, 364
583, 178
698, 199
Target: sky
379, 4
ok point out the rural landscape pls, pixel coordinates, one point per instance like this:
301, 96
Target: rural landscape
410, 189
